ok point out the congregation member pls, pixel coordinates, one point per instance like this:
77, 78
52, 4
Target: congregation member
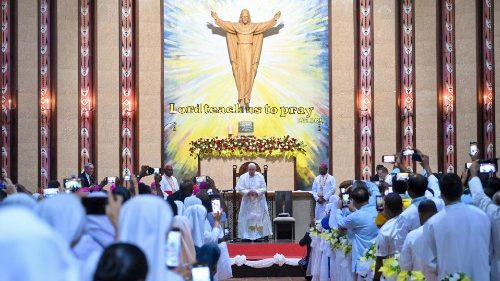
492, 210
411, 253
360, 223
122, 262
457, 239
253, 218
386, 242
185, 191
145, 221
322, 188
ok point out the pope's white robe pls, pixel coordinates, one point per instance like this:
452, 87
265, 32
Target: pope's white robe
327, 190
253, 218
457, 239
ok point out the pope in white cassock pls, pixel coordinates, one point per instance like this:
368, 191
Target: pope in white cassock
323, 187
253, 218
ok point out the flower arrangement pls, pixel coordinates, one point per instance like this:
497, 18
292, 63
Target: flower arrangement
338, 241
316, 229
458, 276
247, 147
391, 269
369, 256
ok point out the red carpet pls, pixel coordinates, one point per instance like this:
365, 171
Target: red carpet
258, 251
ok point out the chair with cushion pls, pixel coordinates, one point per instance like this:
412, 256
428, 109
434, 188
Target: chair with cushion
284, 223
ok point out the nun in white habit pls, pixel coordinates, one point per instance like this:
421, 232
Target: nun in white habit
20, 199
31, 250
65, 214
145, 221
202, 232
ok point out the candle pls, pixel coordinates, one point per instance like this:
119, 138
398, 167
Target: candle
10, 104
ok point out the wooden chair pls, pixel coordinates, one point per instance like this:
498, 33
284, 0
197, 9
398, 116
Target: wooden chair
284, 223
236, 174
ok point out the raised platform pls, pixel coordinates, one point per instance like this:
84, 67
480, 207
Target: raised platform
266, 259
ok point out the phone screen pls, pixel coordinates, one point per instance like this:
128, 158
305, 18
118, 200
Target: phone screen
216, 205
488, 168
342, 190
402, 176
473, 148
72, 184
200, 273
127, 177
467, 165
111, 179
156, 171
345, 199
380, 202
389, 159
408, 152
173, 251
201, 179
50, 192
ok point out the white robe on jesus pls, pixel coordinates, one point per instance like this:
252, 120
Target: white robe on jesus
253, 218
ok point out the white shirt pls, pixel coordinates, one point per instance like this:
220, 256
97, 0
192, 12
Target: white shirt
493, 211
168, 184
326, 190
411, 254
387, 242
457, 239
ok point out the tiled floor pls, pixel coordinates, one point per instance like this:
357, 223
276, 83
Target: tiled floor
268, 279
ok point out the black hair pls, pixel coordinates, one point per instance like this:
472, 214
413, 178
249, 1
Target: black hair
144, 188
122, 262
394, 202
3, 195
451, 187
427, 207
399, 186
492, 186
123, 192
360, 194
417, 184
54, 184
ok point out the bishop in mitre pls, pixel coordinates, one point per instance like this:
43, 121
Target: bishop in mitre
244, 42
253, 218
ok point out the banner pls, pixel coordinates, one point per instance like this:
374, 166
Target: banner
246, 67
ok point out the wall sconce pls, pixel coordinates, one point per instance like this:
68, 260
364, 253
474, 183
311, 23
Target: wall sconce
171, 125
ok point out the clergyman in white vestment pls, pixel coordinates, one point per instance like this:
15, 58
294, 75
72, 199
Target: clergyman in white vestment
253, 218
323, 187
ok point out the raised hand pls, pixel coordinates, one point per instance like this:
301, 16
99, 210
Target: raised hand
214, 15
277, 15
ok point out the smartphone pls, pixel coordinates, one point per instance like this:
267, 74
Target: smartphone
95, 205
111, 179
126, 178
156, 171
173, 250
210, 192
216, 205
416, 157
408, 152
473, 150
488, 168
200, 273
50, 192
389, 159
467, 165
402, 176
345, 199
380, 202
342, 190
201, 179
72, 184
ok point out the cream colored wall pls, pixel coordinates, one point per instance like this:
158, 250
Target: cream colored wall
67, 88
426, 65
384, 20
108, 116
27, 107
466, 90
149, 83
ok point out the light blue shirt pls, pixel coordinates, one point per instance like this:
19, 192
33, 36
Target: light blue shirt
361, 230
374, 191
